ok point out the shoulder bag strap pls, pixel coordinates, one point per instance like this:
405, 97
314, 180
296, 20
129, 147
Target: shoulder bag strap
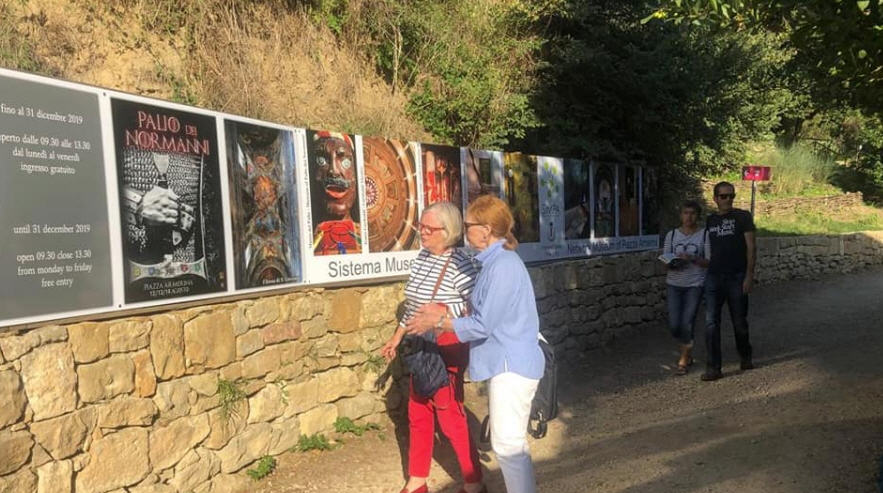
440, 277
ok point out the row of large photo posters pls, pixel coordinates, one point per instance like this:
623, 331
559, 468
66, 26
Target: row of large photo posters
112, 201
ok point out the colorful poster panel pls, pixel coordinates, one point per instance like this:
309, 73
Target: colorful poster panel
628, 201
442, 181
170, 201
649, 201
335, 218
482, 173
551, 207
391, 198
520, 172
604, 188
577, 200
262, 163
55, 254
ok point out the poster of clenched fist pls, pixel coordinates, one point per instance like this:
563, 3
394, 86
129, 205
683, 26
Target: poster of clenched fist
170, 201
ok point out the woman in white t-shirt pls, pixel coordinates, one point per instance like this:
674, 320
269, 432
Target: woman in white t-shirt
688, 242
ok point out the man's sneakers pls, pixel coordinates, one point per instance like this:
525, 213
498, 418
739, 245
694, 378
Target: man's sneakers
711, 375
746, 364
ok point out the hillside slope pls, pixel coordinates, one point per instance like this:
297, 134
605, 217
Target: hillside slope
265, 60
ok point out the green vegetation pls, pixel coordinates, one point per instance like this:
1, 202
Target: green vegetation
266, 465
814, 222
230, 393
15, 50
346, 425
312, 442
375, 363
796, 172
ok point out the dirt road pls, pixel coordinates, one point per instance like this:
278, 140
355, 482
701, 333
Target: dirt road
809, 418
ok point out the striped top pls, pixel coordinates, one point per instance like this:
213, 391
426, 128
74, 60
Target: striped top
454, 290
696, 245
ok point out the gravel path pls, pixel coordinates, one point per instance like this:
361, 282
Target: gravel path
809, 418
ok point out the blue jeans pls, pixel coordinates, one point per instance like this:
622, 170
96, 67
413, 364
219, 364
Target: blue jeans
682, 306
720, 289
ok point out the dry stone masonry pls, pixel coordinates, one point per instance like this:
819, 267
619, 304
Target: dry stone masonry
184, 401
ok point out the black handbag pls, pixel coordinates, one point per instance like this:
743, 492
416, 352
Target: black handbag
423, 358
428, 370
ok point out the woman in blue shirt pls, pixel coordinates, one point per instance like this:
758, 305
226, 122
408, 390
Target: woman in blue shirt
502, 332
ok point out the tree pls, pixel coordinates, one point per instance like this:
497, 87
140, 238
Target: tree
839, 43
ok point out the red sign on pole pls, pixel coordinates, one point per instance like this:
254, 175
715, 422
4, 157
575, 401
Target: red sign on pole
755, 173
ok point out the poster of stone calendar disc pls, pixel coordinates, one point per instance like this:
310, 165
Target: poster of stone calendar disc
170, 201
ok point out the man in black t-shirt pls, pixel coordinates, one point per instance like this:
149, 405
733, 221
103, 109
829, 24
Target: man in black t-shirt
729, 278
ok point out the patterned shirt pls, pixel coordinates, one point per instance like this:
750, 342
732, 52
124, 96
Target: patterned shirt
454, 289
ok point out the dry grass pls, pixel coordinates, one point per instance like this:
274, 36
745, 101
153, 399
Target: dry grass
259, 59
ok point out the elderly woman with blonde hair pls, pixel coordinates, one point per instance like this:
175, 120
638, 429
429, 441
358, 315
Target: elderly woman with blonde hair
441, 276
503, 335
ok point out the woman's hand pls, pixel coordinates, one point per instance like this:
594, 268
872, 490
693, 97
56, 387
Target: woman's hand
390, 349
426, 318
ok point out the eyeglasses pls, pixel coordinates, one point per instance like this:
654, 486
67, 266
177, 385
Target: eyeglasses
425, 228
469, 225
725, 196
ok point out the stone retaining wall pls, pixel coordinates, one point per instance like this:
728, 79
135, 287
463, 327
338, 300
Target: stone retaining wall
186, 400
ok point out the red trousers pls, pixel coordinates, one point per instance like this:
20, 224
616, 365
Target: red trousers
447, 406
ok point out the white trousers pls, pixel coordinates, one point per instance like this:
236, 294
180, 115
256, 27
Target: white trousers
509, 408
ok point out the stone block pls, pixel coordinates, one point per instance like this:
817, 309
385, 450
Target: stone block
209, 341
245, 448
124, 452
281, 332
225, 424
286, 434
15, 450
126, 411
167, 346
106, 378
50, 380
363, 404
195, 469
317, 420
55, 477
230, 483
168, 444
337, 383
345, 310
249, 343
378, 306
313, 328
353, 359
237, 317
325, 347
13, 397
350, 342
129, 335
173, 398
89, 341
261, 363
145, 375
262, 312
305, 306
266, 405
302, 396
205, 384
22, 481
65, 435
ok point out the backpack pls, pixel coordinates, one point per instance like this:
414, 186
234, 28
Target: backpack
544, 406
